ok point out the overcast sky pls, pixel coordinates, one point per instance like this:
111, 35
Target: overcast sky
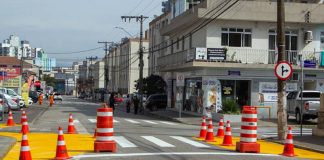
72, 25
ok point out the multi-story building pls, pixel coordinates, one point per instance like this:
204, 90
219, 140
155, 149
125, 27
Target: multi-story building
227, 48
67, 80
99, 75
123, 65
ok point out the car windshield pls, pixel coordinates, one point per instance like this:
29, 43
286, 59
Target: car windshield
311, 95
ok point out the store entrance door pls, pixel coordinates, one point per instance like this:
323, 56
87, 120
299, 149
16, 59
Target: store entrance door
238, 90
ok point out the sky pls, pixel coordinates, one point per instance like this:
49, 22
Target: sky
65, 26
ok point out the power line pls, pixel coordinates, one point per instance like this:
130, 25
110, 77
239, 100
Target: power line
148, 5
88, 50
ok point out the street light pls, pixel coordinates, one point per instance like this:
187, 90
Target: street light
121, 28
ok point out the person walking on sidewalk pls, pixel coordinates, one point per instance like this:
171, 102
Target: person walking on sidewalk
112, 101
128, 104
136, 103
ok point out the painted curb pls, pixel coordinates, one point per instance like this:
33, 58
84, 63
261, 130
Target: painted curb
5, 150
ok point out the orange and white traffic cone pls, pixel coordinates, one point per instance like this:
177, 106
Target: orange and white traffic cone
289, 144
23, 116
61, 151
71, 129
227, 141
24, 123
220, 131
203, 130
10, 121
24, 149
210, 132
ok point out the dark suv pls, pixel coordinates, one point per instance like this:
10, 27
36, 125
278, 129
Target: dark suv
156, 101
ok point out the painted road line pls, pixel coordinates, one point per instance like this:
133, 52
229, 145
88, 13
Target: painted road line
132, 121
147, 121
157, 141
123, 142
175, 153
168, 123
95, 121
79, 127
191, 142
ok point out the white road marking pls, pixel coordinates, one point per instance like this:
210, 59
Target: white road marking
147, 121
79, 127
132, 121
188, 141
123, 142
157, 141
95, 121
175, 153
168, 123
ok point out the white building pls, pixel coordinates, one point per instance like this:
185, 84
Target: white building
234, 43
99, 75
123, 65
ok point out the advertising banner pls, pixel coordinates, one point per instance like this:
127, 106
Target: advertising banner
10, 72
201, 53
269, 90
212, 94
216, 54
25, 93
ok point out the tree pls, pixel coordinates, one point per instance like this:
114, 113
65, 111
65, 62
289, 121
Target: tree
50, 81
152, 84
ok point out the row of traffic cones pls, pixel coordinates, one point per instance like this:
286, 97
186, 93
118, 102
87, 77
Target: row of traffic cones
61, 151
207, 134
24, 123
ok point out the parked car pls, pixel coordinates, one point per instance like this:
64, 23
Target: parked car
57, 96
309, 105
4, 105
12, 105
156, 101
16, 97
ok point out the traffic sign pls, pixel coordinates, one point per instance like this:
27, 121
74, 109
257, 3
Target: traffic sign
283, 70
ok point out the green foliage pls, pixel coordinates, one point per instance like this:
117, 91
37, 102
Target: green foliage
50, 81
152, 84
230, 107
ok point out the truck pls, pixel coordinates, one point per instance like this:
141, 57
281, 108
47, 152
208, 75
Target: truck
306, 103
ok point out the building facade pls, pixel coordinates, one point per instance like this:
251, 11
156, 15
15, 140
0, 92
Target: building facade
229, 48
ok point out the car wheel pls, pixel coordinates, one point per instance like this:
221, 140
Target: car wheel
298, 117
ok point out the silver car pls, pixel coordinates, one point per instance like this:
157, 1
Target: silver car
12, 105
3, 105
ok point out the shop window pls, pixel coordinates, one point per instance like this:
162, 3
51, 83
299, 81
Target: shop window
236, 37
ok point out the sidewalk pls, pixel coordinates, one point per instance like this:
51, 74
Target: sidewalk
6, 143
312, 143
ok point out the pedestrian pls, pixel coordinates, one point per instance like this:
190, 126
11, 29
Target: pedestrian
136, 103
128, 104
112, 101
51, 100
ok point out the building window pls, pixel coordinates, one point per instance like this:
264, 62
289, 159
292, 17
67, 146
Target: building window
178, 43
322, 40
291, 38
183, 43
236, 37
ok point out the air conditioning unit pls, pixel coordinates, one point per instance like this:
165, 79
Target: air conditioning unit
308, 36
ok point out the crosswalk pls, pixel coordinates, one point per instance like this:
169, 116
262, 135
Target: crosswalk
306, 131
123, 142
139, 121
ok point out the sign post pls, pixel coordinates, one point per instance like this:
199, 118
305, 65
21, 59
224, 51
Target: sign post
283, 70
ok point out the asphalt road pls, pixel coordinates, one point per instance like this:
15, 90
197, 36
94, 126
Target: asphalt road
137, 136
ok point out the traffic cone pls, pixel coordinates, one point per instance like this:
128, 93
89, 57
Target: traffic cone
220, 131
95, 133
23, 117
203, 130
227, 141
210, 132
71, 129
10, 121
24, 149
61, 151
289, 145
24, 126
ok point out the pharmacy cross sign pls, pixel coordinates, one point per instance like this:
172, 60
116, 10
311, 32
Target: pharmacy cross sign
283, 70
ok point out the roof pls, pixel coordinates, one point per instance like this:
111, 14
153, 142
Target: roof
13, 61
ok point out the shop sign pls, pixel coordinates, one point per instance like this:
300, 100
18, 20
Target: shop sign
227, 90
201, 53
180, 80
212, 97
216, 54
11, 72
234, 73
269, 90
11, 83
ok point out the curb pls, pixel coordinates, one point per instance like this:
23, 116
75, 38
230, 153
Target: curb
40, 114
295, 145
9, 145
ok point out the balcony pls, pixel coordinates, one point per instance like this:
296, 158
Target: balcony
240, 55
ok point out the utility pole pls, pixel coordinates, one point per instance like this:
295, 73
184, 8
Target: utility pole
21, 82
281, 108
90, 68
140, 19
106, 62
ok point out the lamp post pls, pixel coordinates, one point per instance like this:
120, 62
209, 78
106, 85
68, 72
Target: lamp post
123, 29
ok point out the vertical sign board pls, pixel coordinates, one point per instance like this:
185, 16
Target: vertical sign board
25, 93
212, 93
201, 54
216, 54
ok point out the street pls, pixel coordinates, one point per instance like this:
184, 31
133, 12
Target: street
137, 136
